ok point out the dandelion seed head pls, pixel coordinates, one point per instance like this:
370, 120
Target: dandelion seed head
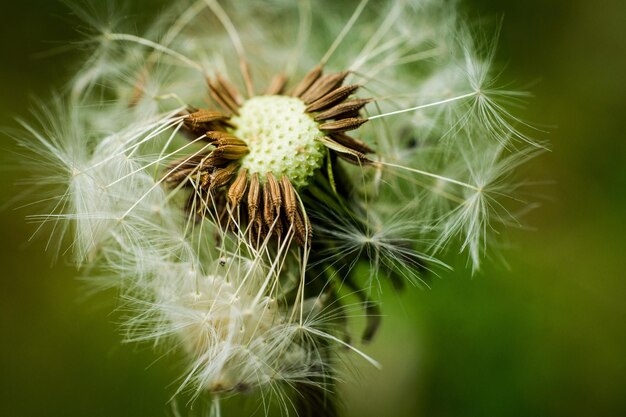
232, 218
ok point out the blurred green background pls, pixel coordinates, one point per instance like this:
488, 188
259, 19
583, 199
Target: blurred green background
545, 337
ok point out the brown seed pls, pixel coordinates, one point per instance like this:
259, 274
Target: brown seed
277, 85
290, 203
222, 97
216, 135
222, 176
343, 125
198, 121
186, 162
323, 86
346, 153
271, 205
230, 141
253, 197
230, 107
231, 151
303, 231
213, 161
307, 81
205, 179
177, 177
205, 116
238, 188
350, 142
268, 209
341, 110
274, 192
180, 169
356, 159
334, 97
229, 89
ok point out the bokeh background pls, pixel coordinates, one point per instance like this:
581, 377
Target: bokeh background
545, 336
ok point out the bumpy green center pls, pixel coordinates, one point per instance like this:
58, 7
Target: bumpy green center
282, 138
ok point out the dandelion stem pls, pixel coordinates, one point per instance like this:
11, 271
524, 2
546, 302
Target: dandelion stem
424, 106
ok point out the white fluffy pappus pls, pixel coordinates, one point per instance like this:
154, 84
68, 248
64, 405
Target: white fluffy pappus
238, 334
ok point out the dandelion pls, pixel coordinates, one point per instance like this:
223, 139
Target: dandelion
228, 174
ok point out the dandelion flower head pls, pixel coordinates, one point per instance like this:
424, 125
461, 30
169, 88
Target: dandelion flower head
229, 168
